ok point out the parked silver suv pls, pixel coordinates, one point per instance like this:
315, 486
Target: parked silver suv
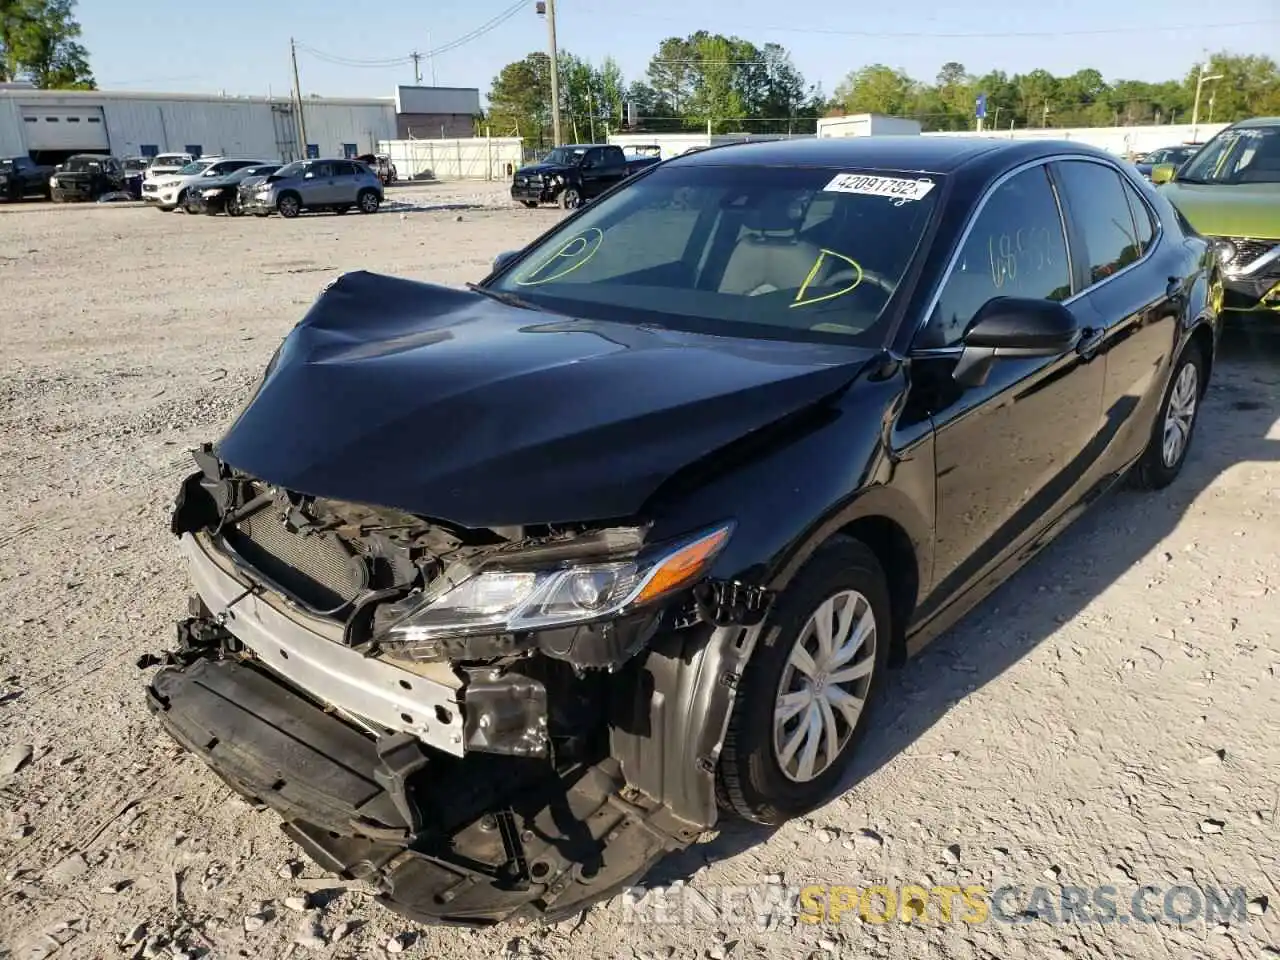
336, 185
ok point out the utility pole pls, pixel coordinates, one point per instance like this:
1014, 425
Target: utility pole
1201, 80
555, 73
1044, 117
416, 57
297, 96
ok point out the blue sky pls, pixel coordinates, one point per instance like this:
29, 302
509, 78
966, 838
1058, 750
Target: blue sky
242, 46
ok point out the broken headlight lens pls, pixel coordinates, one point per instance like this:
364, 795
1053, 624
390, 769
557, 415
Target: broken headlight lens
511, 600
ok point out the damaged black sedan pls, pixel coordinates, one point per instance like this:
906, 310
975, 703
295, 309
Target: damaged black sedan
503, 593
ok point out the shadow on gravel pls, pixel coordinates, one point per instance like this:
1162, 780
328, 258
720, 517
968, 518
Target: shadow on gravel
1239, 409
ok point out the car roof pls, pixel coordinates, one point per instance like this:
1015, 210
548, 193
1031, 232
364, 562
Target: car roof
1257, 122
940, 155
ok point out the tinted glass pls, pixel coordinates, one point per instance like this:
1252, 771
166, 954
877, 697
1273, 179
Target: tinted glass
1100, 209
789, 253
1016, 248
294, 169
1141, 218
1240, 155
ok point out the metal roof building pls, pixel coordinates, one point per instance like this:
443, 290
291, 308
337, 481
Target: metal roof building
53, 124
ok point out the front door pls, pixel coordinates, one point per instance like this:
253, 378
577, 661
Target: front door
1013, 453
1116, 228
319, 187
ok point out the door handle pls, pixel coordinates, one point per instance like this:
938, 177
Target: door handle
1090, 340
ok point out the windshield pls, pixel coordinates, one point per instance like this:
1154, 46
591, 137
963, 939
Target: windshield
6, 165
191, 169
294, 169
1237, 155
564, 156
171, 160
83, 164
246, 172
781, 253
135, 163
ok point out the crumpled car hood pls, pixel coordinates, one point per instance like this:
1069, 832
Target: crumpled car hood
451, 405
541, 169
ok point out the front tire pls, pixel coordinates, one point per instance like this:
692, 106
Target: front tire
1174, 427
289, 206
570, 198
809, 688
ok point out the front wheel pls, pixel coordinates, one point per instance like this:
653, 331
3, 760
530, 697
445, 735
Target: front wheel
289, 206
1175, 423
806, 694
368, 201
570, 198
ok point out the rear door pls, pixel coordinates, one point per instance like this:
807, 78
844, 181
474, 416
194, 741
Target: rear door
1136, 299
346, 181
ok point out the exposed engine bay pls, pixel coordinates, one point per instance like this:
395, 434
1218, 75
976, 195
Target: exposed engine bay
486, 724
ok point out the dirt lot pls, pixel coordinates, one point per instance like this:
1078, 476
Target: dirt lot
1110, 717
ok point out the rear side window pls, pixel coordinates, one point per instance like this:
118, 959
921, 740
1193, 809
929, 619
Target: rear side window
1100, 209
1142, 220
614, 156
1016, 248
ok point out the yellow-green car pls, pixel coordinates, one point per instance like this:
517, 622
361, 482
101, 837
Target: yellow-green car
1230, 192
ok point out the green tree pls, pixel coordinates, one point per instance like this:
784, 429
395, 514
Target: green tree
39, 41
876, 89
520, 99
1250, 86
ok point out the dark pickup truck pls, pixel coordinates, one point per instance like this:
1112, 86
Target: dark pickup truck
21, 177
573, 174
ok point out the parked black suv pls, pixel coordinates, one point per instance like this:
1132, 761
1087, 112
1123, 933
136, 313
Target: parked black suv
86, 176
21, 176
571, 175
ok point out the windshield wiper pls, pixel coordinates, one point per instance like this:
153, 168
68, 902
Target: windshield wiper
1195, 180
510, 299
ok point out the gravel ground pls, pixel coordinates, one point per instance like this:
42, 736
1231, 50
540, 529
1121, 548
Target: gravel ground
1109, 717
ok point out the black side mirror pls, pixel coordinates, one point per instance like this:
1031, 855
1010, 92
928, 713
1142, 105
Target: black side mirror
1014, 327
502, 259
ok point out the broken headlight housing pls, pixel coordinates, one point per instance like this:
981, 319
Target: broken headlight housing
510, 599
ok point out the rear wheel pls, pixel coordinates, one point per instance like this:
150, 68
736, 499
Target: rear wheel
289, 206
806, 695
368, 201
1175, 423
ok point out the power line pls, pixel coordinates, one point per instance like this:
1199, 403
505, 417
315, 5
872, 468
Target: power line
919, 35
412, 58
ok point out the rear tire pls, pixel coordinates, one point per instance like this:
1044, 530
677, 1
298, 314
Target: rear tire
829, 697
368, 201
1175, 423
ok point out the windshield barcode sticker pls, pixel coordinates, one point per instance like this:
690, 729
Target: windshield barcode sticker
895, 188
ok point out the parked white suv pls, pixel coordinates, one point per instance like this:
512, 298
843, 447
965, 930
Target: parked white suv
166, 165
168, 193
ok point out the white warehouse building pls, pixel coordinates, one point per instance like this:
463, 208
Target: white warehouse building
50, 125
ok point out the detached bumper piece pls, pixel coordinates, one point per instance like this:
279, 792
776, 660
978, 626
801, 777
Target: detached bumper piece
474, 841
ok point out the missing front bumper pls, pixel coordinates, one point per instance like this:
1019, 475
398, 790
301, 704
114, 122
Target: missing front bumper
495, 838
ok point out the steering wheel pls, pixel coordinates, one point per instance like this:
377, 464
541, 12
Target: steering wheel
842, 278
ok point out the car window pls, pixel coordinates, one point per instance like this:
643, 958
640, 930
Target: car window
614, 156
322, 169
1100, 209
1142, 218
1237, 155
731, 251
594, 157
1015, 248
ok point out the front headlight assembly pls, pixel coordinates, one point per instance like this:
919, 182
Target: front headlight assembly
507, 599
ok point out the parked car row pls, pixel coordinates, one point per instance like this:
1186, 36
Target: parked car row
238, 187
